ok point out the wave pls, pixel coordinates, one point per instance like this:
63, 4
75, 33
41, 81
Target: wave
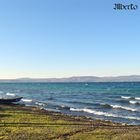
40, 104
106, 105
10, 94
104, 113
27, 100
64, 107
134, 102
123, 107
118, 107
137, 98
84, 103
127, 97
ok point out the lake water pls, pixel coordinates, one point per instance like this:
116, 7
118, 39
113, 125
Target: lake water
118, 102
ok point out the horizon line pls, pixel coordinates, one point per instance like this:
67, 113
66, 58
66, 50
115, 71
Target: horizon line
67, 77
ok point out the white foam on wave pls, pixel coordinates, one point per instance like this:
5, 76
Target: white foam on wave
126, 97
10, 94
104, 113
123, 107
27, 100
40, 104
134, 102
137, 98
118, 107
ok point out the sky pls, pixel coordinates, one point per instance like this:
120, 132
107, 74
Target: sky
63, 38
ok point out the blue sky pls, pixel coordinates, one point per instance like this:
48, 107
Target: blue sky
62, 38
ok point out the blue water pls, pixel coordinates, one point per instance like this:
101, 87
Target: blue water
117, 102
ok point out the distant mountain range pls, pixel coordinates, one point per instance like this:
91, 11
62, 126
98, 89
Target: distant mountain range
131, 78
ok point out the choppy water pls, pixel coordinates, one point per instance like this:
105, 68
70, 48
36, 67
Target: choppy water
118, 102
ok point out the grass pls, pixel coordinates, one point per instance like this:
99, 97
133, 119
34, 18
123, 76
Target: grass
29, 123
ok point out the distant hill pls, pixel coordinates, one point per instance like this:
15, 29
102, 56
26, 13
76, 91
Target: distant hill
131, 78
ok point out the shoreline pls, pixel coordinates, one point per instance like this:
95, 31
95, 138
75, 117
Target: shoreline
24, 122
82, 116
70, 116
